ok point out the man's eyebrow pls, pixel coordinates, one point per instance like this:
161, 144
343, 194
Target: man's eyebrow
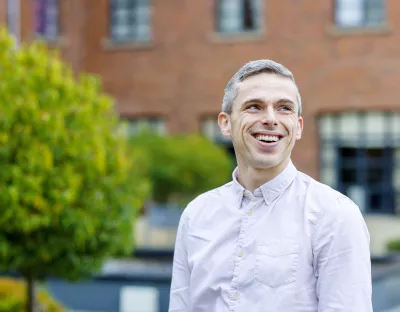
284, 100
275, 101
253, 100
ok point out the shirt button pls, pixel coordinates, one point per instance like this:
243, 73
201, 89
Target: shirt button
250, 212
240, 254
246, 193
236, 296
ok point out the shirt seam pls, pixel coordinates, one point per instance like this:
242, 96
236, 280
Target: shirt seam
316, 228
317, 224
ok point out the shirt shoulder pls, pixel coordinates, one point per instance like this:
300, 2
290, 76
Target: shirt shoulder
331, 216
326, 196
322, 201
204, 200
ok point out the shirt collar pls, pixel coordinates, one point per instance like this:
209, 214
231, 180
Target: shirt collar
270, 190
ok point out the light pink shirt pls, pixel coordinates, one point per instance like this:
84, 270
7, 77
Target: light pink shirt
293, 245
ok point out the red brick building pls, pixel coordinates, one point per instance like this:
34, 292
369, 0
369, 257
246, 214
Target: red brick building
167, 63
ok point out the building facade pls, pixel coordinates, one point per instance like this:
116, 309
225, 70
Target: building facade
167, 62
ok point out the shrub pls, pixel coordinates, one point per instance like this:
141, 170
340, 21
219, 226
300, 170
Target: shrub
183, 166
394, 245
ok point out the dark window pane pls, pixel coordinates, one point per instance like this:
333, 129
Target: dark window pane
369, 169
375, 202
248, 18
350, 163
348, 152
381, 199
376, 153
349, 176
375, 175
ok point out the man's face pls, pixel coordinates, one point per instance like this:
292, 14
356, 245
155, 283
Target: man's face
264, 124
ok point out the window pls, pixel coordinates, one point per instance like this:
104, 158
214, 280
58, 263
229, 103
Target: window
359, 157
47, 18
13, 21
211, 130
365, 175
359, 13
237, 16
130, 20
135, 125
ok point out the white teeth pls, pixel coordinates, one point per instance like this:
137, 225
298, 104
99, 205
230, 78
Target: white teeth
269, 138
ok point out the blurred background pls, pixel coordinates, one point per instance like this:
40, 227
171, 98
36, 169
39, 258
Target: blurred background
166, 63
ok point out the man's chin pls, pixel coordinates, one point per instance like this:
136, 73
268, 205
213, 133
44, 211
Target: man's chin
265, 162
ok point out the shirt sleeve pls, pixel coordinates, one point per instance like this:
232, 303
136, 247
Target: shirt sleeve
180, 290
342, 261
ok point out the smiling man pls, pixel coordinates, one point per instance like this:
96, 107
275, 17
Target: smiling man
273, 239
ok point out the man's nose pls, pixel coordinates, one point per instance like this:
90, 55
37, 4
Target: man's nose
269, 117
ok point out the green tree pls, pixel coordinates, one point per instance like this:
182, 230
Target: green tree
67, 193
183, 166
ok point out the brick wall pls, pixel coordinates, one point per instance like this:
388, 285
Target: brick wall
181, 74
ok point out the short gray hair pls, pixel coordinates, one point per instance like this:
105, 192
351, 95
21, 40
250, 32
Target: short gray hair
251, 69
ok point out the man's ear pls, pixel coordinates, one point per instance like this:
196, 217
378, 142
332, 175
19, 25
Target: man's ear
224, 122
299, 128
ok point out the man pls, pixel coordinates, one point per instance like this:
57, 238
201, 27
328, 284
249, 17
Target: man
273, 239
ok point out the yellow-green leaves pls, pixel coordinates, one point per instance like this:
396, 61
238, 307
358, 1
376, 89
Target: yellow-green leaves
13, 296
68, 185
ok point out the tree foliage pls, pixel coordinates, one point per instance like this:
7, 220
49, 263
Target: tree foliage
13, 297
183, 166
67, 192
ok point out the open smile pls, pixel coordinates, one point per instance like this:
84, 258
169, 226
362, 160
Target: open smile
267, 140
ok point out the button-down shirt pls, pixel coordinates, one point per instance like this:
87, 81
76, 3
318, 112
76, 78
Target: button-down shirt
293, 244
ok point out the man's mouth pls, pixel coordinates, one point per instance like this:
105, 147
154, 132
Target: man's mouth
267, 138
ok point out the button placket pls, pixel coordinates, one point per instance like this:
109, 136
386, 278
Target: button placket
234, 291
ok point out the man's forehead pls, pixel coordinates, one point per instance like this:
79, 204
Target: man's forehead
260, 83
265, 79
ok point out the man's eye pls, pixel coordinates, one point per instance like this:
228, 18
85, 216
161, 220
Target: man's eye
285, 108
253, 107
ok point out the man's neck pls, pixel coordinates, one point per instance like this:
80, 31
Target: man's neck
251, 178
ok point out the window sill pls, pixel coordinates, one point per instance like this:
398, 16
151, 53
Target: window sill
59, 42
218, 37
111, 45
359, 31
